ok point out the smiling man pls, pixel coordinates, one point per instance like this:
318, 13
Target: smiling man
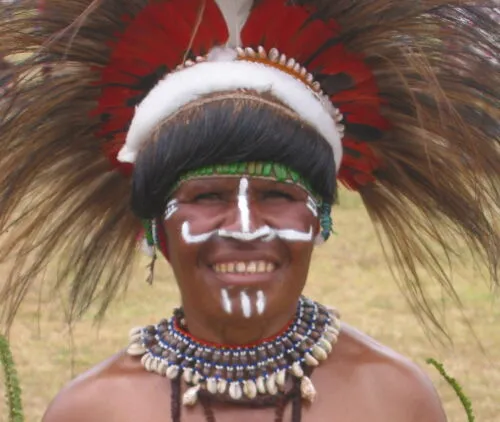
220, 129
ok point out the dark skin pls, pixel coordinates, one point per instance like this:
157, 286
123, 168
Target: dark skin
361, 380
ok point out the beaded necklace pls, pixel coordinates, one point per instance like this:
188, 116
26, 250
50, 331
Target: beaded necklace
239, 372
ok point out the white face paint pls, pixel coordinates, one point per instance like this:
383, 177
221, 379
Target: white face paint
244, 206
246, 302
261, 302
246, 305
312, 205
172, 208
226, 302
264, 233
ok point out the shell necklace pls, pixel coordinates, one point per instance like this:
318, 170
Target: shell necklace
239, 371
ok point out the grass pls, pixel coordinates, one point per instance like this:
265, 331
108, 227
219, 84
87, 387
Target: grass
349, 272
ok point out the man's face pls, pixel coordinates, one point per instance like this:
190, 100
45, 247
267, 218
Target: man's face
240, 247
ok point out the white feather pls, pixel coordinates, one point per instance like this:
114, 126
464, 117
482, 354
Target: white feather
235, 13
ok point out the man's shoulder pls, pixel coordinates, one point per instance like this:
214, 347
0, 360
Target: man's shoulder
99, 393
385, 376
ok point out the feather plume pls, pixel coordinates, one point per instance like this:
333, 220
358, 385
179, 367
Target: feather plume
440, 178
236, 13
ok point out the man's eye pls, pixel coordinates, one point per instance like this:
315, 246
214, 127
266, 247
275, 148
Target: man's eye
276, 194
207, 197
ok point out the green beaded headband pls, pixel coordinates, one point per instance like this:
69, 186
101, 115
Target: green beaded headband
272, 171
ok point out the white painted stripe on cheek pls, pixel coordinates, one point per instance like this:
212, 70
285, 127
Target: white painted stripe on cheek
246, 306
226, 302
292, 235
261, 302
194, 238
243, 205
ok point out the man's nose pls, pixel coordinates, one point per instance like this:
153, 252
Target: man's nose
243, 217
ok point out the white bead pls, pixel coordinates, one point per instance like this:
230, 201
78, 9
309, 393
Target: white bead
136, 338
172, 372
319, 353
212, 385
190, 397
281, 378
307, 389
325, 345
196, 378
148, 364
187, 374
310, 360
250, 389
262, 52
274, 55
250, 52
261, 385
221, 386
162, 368
136, 349
235, 391
134, 331
271, 386
297, 370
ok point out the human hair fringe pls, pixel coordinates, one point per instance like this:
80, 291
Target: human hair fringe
435, 63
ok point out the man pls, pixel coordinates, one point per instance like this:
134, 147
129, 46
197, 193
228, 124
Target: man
222, 128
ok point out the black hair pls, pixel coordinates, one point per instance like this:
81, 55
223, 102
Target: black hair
225, 131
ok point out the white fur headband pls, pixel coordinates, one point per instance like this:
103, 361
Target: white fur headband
222, 72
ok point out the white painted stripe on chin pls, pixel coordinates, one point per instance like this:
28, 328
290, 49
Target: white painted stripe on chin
246, 305
261, 302
226, 302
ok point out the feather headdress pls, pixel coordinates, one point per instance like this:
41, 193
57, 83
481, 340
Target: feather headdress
416, 83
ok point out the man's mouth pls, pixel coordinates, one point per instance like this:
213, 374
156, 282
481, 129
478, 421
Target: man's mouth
244, 267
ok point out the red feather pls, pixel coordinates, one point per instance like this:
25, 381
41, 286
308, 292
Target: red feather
157, 38
288, 28
296, 32
160, 35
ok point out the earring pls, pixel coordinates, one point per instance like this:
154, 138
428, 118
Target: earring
326, 224
149, 247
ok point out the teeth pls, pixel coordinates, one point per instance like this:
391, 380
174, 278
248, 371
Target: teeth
250, 267
261, 267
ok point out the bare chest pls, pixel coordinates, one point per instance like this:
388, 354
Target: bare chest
327, 408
